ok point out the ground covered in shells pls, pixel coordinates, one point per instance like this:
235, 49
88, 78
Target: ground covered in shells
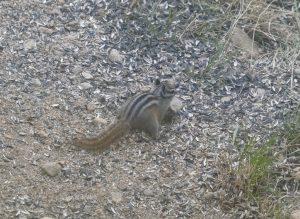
66, 67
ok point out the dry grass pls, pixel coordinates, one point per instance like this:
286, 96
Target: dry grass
274, 28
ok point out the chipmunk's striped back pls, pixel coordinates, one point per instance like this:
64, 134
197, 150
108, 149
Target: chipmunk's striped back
144, 111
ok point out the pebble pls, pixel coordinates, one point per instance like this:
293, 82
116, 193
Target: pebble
77, 69
36, 82
41, 133
29, 44
296, 173
51, 168
241, 40
87, 75
116, 197
225, 99
148, 192
98, 120
176, 104
114, 56
260, 92
145, 88
84, 86
90, 107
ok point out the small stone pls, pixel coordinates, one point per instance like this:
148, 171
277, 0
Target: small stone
98, 120
209, 195
176, 104
295, 214
46, 30
36, 82
90, 107
51, 168
225, 99
145, 88
41, 133
241, 40
148, 192
77, 69
68, 198
116, 197
29, 44
114, 56
47, 217
84, 86
166, 172
297, 71
296, 173
260, 92
87, 75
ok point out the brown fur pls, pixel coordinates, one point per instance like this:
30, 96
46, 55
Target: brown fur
107, 137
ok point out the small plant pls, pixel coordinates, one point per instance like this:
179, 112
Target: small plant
254, 181
253, 171
291, 131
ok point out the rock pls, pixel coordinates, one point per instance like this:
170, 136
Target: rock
84, 86
296, 173
87, 75
148, 192
295, 214
77, 69
176, 104
47, 217
90, 107
116, 197
297, 71
29, 44
145, 88
241, 40
41, 133
36, 82
114, 56
46, 30
225, 99
261, 92
51, 168
98, 120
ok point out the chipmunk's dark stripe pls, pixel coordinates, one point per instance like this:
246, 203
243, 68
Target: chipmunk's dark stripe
147, 102
143, 101
130, 106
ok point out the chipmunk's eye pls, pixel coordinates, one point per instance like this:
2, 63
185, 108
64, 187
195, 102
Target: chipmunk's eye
157, 82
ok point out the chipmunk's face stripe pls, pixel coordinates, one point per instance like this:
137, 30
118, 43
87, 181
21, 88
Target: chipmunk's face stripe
164, 91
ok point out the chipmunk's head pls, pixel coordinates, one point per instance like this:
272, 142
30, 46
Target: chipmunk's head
164, 88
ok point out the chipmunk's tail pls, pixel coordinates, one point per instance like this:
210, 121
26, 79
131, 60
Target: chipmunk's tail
102, 142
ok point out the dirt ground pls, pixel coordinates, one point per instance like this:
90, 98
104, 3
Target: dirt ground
57, 81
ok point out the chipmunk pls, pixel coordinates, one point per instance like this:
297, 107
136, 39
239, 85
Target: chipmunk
144, 111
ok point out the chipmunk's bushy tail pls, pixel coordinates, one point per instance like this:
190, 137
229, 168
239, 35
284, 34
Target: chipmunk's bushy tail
102, 142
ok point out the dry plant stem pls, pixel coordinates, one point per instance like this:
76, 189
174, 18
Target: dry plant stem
180, 37
257, 22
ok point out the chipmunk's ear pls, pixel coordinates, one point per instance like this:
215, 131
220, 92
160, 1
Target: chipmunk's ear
157, 82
